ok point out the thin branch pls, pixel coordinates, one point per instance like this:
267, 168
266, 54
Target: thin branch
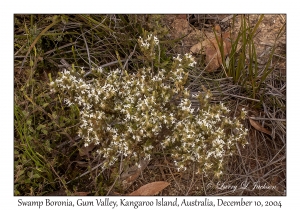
85, 173
87, 49
261, 118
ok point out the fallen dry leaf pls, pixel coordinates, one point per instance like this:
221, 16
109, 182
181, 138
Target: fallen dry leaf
151, 188
80, 193
217, 28
213, 53
200, 47
211, 49
84, 151
259, 127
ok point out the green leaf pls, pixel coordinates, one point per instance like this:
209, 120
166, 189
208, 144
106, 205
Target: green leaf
36, 176
19, 173
45, 104
164, 64
31, 129
44, 131
40, 127
28, 122
25, 113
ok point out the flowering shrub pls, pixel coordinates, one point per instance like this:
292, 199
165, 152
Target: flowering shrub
130, 114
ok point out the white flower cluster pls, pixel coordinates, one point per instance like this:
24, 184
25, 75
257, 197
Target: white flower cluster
187, 57
146, 43
202, 136
128, 115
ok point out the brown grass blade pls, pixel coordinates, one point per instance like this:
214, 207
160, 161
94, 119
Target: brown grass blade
259, 127
38, 37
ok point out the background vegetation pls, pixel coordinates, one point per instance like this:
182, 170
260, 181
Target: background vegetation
49, 158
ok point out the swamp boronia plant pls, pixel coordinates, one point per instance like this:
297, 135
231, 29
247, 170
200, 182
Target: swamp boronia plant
129, 114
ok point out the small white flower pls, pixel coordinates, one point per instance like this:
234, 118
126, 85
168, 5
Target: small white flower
100, 70
156, 40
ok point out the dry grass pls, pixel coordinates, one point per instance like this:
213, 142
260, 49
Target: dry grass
109, 40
